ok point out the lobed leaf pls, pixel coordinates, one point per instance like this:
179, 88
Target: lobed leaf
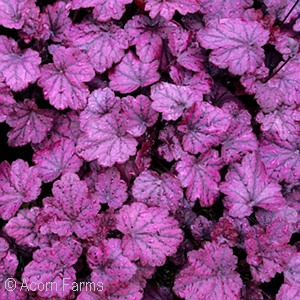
158, 190
131, 73
247, 185
70, 209
150, 234
63, 81
19, 68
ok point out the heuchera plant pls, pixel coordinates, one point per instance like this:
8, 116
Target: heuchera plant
150, 150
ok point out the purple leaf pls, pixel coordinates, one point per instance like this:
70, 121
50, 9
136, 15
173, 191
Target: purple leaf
188, 53
36, 25
192, 58
8, 266
107, 9
201, 228
172, 100
285, 214
239, 138
12, 13
56, 17
19, 68
167, 8
150, 235
147, 35
7, 102
282, 88
292, 273
76, 4
158, 190
293, 199
296, 26
236, 44
281, 159
18, 183
279, 231
171, 148
59, 158
4, 246
100, 102
210, 274
65, 126
62, 81
288, 292
200, 176
139, 114
178, 40
247, 185
225, 232
24, 228
131, 73
107, 141
219, 9
204, 126
106, 224
53, 264
109, 265
267, 97
280, 9
104, 44
71, 209
111, 189
283, 123
199, 82
285, 44
265, 255
29, 123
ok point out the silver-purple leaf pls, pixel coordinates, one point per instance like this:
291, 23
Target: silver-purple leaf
158, 190
247, 185
19, 68
110, 188
131, 73
139, 114
18, 183
210, 274
107, 141
104, 44
109, 265
70, 209
236, 44
53, 264
172, 100
59, 158
29, 123
150, 234
24, 228
100, 102
200, 176
204, 126
63, 80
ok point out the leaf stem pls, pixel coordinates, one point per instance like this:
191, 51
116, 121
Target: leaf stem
295, 4
272, 75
